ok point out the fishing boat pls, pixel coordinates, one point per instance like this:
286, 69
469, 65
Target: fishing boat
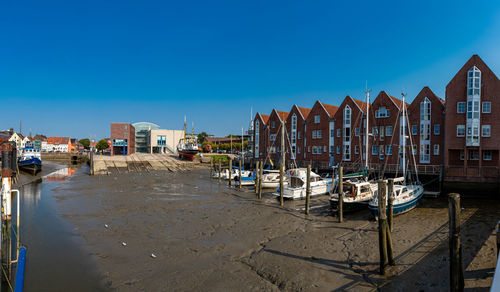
296, 188
406, 196
30, 159
188, 148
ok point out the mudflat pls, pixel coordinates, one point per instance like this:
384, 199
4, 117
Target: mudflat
182, 231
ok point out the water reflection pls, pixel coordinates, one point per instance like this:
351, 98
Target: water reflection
31, 195
60, 175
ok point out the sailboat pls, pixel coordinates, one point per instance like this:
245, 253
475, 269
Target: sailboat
296, 187
406, 195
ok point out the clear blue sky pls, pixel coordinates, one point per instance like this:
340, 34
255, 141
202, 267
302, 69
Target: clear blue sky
69, 68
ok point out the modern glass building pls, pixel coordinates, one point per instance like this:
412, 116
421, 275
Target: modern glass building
141, 136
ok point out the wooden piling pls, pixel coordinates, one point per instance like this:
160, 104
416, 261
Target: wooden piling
382, 229
257, 177
239, 177
91, 162
281, 185
456, 268
340, 205
211, 167
230, 169
308, 188
260, 178
390, 205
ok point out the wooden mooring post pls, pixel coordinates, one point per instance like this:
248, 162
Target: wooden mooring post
260, 178
308, 188
230, 170
239, 176
91, 162
257, 170
211, 167
390, 205
340, 205
384, 233
456, 268
281, 185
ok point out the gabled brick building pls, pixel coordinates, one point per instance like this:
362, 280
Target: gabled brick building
295, 128
318, 126
426, 116
274, 129
385, 127
472, 128
122, 139
260, 136
349, 131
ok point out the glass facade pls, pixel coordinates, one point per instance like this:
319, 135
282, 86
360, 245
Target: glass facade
142, 130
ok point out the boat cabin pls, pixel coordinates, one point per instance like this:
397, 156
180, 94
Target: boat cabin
357, 189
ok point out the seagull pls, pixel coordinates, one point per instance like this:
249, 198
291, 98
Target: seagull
106, 225
124, 243
153, 255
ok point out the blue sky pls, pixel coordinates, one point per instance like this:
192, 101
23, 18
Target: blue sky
69, 68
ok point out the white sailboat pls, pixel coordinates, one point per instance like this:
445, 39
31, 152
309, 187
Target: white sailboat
296, 187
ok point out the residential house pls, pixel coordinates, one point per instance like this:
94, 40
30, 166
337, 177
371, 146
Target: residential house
318, 130
261, 136
295, 128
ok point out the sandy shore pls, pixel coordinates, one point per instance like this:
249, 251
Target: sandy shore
205, 236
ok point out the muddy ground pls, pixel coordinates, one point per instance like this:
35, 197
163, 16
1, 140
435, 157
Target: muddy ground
206, 236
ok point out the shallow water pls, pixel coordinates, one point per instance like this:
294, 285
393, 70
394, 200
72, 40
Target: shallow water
56, 257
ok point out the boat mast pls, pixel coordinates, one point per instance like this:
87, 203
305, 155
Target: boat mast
241, 153
367, 130
404, 139
283, 143
184, 130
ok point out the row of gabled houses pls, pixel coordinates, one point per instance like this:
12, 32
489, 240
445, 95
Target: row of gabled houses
50, 144
455, 138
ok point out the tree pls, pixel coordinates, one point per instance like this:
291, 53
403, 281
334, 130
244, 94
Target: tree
102, 144
86, 143
201, 137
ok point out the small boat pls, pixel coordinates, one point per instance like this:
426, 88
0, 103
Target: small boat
296, 187
30, 160
357, 195
235, 173
188, 148
271, 179
406, 197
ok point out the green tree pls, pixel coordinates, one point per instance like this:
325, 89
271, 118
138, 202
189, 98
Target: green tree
201, 137
86, 143
102, 144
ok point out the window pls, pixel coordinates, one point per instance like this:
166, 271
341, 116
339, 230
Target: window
298, 150
294, 122
487, 155
299, 135
473, 154
381, 133
381, 156
382, 112
319, 134
332, 150
473, 81
374, 150
388, 150
462, 156
388, 131
425, 110
338, 132
425, 153
356, 149
273, 137
161, 140
317, 119
309, 149
381, 148
318, 150
486, 107
338, 149
413, 149
273, 124
414, 130
461, 107
356, 132
314, 134
436, 129
436, 149
460, 130
486, 131
332, 133
314, 150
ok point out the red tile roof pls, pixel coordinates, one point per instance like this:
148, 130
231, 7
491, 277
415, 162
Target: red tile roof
304, 111
282, 115
361, 104
331, 109
265, 118
398, 102
58, 140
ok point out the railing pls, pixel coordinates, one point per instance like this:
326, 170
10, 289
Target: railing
474, 171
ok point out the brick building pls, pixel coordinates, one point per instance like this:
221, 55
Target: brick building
349, 131
274, 131
385, 127
318, 126
472, 123
295, 128
260, 136
122, 139
426, 118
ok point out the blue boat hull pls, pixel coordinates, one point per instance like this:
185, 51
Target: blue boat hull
32, 165
399, 208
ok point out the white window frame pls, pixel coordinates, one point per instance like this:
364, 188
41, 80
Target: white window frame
414, 130
488, 107
460, 103
436, 149
388, 130
317, 119
485, 133
489, 157
438, 132
458, 128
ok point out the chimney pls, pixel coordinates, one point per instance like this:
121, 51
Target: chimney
11, 131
